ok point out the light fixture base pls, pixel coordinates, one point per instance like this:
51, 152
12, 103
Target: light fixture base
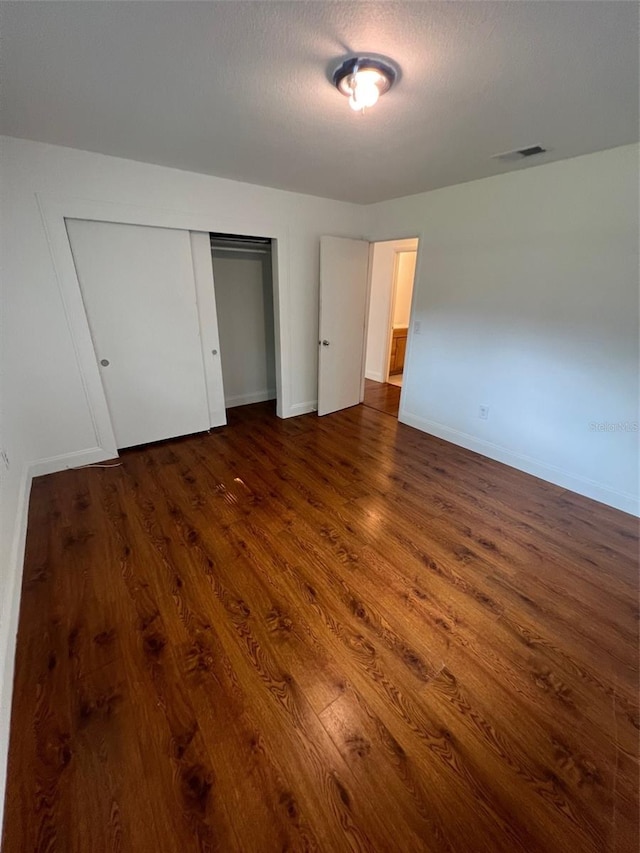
345, 74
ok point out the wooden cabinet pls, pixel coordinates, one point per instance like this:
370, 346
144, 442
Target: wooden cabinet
398, 349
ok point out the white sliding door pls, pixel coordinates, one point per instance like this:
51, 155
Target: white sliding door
209, 330
139, 294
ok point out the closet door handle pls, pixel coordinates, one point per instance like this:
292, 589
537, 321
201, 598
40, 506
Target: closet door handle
214, 352
325, 343
104, 362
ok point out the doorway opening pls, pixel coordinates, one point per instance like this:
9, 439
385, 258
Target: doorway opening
392, 275
243, 285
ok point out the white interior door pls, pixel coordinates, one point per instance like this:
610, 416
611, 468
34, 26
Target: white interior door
139, 294
344, 267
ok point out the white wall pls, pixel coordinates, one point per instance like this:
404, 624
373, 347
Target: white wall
244, 299
383, 260
46, 416
14, 482
14, 495
405, 273
527, 294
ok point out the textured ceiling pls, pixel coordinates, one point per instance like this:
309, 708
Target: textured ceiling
240, 89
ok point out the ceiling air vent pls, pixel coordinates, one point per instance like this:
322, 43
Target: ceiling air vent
519, 153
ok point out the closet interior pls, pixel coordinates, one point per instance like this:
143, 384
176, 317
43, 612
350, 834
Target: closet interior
243, 284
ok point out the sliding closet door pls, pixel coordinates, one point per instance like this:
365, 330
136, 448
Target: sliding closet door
203, 270
139, 294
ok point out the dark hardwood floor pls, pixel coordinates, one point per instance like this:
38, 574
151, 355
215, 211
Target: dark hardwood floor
382, 396
323, 634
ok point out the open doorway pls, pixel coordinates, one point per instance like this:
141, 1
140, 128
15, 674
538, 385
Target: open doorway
392, 274
243, 283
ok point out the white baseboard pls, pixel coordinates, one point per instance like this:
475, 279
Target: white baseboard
552, 474
375, 375
303, 408
69, 460
253, 397
10, 608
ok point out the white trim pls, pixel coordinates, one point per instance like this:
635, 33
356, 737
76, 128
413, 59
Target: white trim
552, 474
367, 312
76, 459
253, 397
9, 623
303, 408
282, 325
392, 310
54, 210
410, 332
375, 376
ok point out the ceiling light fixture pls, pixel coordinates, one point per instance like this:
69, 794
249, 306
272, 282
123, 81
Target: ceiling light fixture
363, 79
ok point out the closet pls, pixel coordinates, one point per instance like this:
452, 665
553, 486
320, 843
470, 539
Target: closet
139, 295
151, 302
243, 284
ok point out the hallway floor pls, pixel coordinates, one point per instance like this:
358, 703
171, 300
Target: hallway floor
382, 396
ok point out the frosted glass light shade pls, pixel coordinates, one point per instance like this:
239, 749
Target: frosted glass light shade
363, 80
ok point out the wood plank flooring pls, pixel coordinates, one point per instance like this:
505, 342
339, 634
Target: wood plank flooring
382, 396
324, 634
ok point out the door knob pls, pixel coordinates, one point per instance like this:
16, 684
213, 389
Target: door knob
104, 362
214, 352
325, 343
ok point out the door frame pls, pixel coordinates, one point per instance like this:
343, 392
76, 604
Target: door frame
410, 332
54, 210
392, 303
392, 307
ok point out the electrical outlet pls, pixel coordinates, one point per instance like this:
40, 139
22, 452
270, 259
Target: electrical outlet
483, 413
5, 459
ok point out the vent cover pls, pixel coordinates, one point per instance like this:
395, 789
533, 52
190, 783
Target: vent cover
519, 153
